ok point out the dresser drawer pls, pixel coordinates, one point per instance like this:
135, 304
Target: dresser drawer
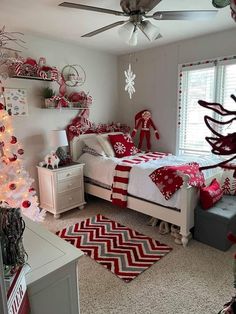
68, 199
70, 184
69, 173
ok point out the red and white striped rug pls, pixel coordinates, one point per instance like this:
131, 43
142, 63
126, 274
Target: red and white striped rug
125, 252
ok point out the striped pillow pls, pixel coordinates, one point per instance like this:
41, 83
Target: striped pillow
91, 151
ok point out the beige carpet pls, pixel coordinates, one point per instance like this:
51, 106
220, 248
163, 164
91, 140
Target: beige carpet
198, 279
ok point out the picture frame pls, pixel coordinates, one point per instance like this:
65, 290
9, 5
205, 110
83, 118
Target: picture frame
16, 101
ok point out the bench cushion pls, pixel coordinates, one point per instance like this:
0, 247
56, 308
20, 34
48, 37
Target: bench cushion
212, 226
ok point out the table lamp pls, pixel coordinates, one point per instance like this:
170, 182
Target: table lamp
58, 139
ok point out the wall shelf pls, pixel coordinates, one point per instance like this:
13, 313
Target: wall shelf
65, 108
31, 78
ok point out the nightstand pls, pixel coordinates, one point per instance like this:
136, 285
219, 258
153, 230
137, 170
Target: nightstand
61, 189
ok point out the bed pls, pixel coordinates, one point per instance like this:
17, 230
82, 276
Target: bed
178, 210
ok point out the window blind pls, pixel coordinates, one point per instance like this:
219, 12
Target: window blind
212, 82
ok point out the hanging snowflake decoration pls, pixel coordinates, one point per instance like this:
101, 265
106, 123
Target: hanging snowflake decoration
129, 81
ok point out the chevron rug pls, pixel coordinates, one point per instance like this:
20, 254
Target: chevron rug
124, 251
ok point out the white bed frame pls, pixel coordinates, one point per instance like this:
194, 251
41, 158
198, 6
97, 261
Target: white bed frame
183, 218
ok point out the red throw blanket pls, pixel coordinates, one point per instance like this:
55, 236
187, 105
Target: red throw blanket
121, 177
168, 179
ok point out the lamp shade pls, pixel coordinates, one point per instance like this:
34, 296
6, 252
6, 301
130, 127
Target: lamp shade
58, 138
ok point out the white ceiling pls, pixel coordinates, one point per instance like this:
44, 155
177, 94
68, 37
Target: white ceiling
45, 18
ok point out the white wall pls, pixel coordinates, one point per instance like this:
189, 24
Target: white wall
101, 82
157, 80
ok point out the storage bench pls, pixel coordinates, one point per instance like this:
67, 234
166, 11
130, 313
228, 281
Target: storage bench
212, 226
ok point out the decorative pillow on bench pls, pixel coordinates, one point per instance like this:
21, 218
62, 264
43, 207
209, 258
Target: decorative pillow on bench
210, 195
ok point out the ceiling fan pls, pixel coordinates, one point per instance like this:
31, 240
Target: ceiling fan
137, 12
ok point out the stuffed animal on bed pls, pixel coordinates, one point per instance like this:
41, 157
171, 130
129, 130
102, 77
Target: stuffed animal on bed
143, 119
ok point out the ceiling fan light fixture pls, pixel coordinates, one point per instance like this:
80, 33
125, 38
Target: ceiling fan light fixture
150, 30
134, 38
220, 3
126, 31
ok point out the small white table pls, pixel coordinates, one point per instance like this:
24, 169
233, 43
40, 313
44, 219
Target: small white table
52, 281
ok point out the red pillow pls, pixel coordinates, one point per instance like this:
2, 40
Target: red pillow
123, 145
211, 194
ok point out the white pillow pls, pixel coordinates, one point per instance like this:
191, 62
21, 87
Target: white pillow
103, 139
93, 143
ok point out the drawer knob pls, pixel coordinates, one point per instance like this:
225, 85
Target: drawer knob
70, 198
69, 185
68, 174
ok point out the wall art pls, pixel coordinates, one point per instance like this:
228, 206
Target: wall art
16, 101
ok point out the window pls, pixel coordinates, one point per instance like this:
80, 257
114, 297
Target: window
212, 81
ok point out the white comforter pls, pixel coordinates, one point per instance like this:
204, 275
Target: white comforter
140, 185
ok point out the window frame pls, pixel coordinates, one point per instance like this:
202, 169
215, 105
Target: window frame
217, 63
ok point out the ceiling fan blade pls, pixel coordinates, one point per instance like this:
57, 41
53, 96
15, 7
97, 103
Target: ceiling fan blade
184, 15
103, 29
149, 30
90, 8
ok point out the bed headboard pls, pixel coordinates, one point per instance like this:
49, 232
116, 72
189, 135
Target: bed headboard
77, 144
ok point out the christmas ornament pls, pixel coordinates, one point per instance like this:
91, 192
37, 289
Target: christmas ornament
14, 180
26, 204
13, 140
31, 190
1, 106
12, 186
129, 81
13, 158
20, 151
2, 128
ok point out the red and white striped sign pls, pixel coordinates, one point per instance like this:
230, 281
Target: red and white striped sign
17, 298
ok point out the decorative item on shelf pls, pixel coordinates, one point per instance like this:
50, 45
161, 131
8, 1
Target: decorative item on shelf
30, 68
143, 119
48, 93
80, 99
82, 125
73, 75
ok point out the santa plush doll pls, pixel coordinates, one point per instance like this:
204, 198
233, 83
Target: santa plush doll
143, 120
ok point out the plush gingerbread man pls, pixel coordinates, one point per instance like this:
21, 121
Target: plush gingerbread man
143, 119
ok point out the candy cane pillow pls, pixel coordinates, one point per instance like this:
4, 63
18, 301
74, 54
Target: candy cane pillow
123, 145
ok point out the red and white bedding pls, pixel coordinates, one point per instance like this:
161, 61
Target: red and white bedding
102, 169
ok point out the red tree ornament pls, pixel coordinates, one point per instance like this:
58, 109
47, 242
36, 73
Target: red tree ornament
1, 106
26, 204
12, 186
13, 140
20, 151
2, 128
13, 158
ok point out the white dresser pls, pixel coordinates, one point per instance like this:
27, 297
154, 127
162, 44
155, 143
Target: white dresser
61, 189
52, 281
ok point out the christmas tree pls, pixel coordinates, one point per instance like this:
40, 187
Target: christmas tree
16, 185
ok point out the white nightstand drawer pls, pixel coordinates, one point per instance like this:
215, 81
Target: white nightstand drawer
67, 185
65, 200
68, 173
